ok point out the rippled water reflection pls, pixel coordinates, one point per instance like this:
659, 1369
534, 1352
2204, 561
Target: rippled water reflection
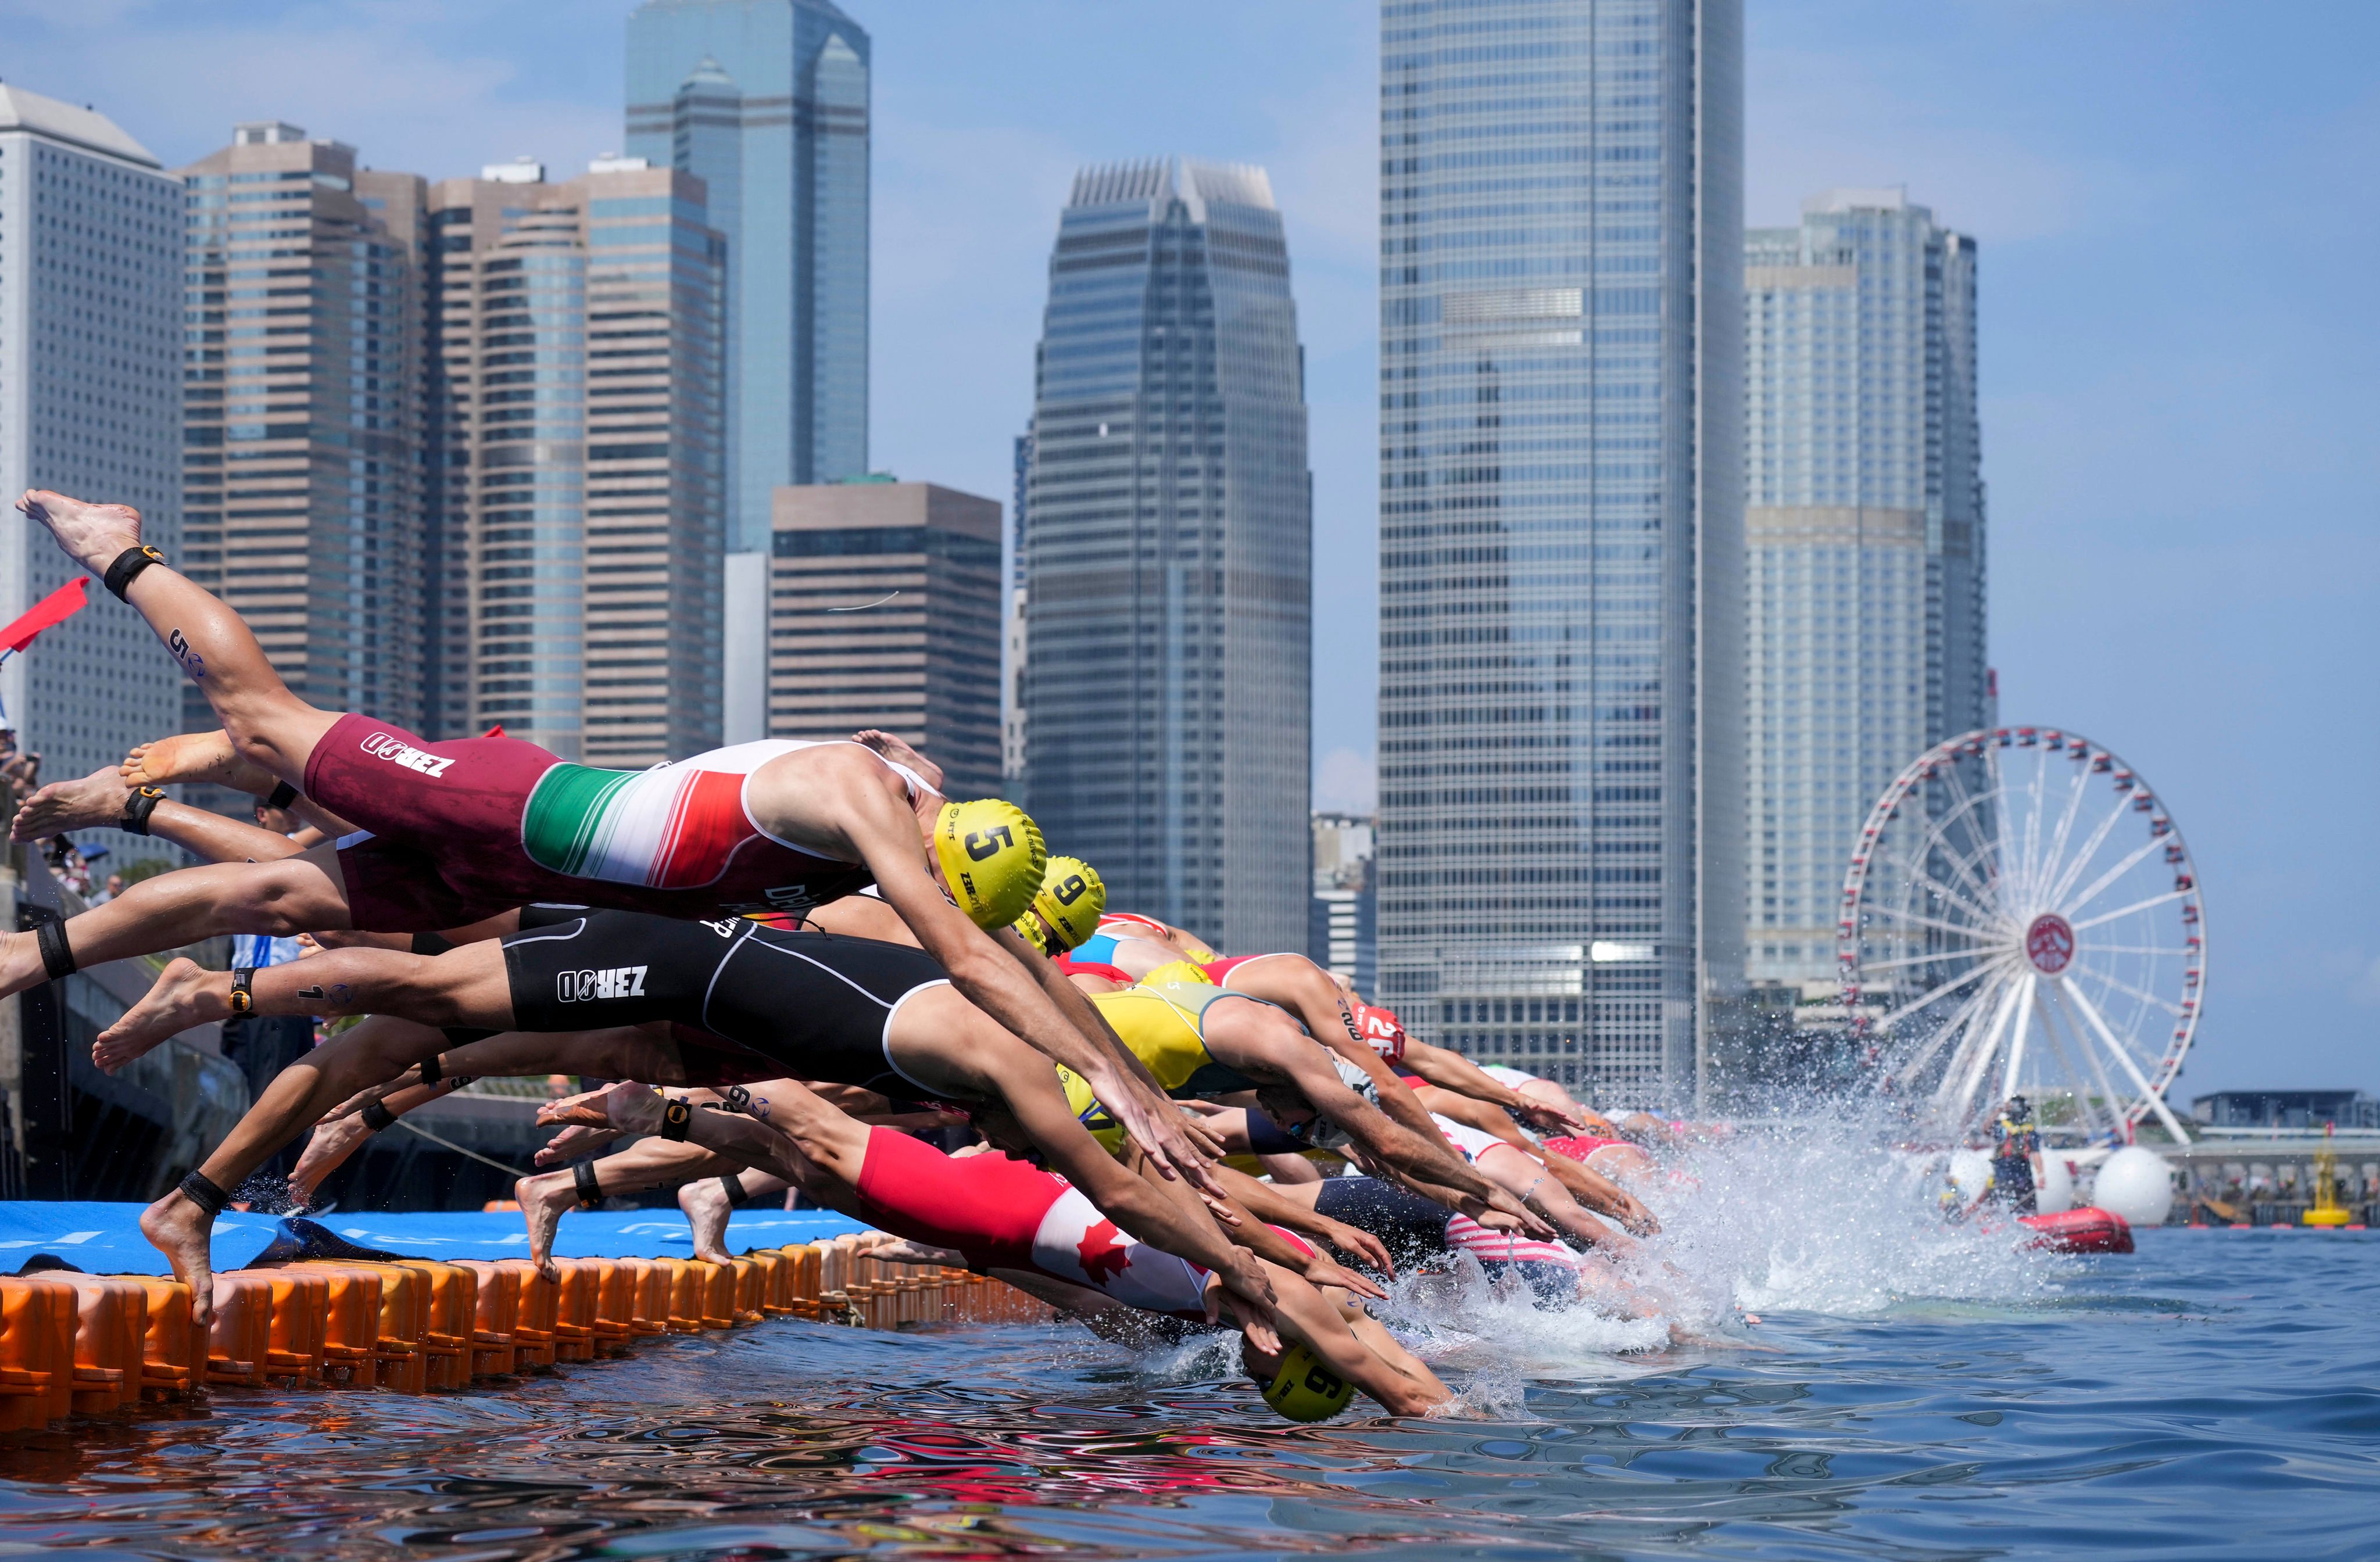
1914, 1393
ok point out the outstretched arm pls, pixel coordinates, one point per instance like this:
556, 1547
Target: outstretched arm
1452, 1070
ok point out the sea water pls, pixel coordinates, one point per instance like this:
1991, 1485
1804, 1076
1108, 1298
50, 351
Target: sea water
1814, 1366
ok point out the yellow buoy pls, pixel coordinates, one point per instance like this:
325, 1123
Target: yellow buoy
2327, 1210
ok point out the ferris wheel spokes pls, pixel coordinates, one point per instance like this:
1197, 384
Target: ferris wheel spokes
2083, 860
1962, 955
2150, 904
2124, 1056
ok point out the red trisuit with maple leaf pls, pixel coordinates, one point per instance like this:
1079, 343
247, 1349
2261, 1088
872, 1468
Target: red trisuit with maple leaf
1001, 1214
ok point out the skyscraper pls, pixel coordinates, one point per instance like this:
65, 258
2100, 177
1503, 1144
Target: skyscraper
767, 102
1560, 736
91, 403
1168, 553
303, 378
884, 611
581, 328
1864, 534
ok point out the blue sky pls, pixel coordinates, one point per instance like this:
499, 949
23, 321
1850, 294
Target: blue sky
2176, 217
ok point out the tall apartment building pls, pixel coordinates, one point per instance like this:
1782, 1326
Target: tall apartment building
582, 473
1168, 554
1561, 732
767, 102
91, 405
1343, 935
884, 611
1863, 526
302, 403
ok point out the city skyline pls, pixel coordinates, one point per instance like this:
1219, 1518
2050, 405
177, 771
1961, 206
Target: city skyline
2173, 504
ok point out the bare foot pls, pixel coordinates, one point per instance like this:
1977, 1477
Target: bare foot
92, 535
186, 995
707, 1209
575, 1143
92, 803
542, 1200
327, 1148
177, 1228
899, 753
195, 756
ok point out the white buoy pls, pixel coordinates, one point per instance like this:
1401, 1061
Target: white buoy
2136, 1184
2055, 1195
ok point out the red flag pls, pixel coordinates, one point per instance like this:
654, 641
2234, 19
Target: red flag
54, 609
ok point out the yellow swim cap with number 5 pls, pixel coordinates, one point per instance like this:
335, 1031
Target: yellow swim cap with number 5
992, 859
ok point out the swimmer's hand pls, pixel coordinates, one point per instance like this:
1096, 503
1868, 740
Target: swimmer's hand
1321, 1271
627, 1105
1177, 1145
1256, 1315
1547, 1116
1220, 1209
906, 1252
1364, 1247
899, 753
1517, 1217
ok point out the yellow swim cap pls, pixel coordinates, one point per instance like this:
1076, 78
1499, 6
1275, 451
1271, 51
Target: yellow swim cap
992, 858
1305, 1389
1177, 971
1073, 895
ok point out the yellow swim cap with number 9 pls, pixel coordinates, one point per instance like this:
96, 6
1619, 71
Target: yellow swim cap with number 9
1072, 899
992, 859
1305, 1389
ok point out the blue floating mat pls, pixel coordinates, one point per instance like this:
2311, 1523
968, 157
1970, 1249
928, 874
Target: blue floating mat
105, 1238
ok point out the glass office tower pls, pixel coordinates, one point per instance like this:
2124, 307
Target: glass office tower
1168, 554
1560, 743
767, 101
1865, 526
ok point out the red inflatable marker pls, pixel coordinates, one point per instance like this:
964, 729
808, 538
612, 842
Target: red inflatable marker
2087, 1229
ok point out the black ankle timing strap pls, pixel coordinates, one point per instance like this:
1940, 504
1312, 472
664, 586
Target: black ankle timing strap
282, 795
429, 1074
376, 1115
50, 938
205, 1195
137, 809
590, 1191
131, 562
737, 1197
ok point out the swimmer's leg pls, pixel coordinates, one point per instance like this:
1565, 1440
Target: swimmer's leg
269, 725
297, 1097
294, 895
707, 1206
463, 986
646, 1164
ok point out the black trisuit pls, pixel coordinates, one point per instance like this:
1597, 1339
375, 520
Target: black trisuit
816, 1005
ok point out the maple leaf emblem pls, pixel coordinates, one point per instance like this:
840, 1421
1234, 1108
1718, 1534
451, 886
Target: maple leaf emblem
1100, 1250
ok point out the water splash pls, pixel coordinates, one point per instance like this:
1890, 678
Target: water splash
1823, 1214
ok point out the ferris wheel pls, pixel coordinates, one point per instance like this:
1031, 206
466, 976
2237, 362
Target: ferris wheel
2021, 916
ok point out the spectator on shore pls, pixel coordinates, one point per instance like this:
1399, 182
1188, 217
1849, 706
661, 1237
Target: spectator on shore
114, 887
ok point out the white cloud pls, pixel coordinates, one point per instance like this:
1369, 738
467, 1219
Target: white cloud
1346, 782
